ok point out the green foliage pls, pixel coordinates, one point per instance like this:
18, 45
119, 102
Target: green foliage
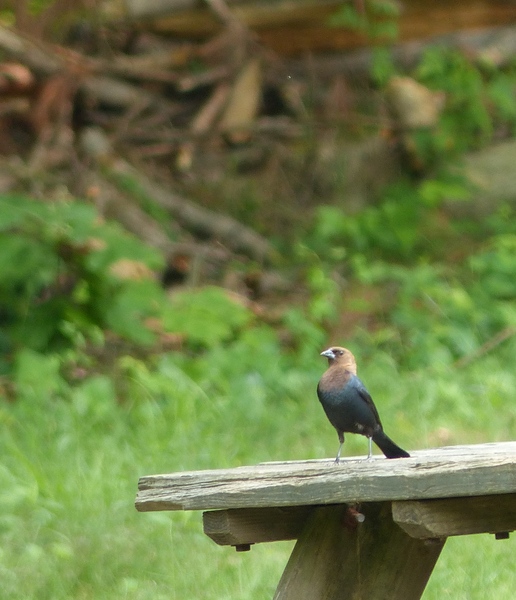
382, 65
500, 94
89, 418
127, 182
70, 278
307, 323
67, 273
466, 121
401, 247
392, 229
377, 20
434, 310
443, 313
35, 7
234, 395
37, 375
207, 316
494, 268
478, 101
71, 460
433, 192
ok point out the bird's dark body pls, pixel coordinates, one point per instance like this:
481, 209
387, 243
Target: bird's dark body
349, 406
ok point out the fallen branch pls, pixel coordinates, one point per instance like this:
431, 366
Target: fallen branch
49, 59
202, 124
135, 220
198, 220
497, 44
201, 221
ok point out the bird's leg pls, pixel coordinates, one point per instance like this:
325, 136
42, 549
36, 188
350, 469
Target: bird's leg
337, 459
370, 454
341, 440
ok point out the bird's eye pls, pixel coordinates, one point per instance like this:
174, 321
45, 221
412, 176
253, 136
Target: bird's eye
341, 353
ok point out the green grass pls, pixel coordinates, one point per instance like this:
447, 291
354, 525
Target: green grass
71, 461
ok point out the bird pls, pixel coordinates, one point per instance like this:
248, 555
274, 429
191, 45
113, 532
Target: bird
349, 406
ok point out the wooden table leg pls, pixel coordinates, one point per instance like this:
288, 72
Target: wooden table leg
337, 558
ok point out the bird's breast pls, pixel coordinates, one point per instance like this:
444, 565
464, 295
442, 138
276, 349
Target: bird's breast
345, 407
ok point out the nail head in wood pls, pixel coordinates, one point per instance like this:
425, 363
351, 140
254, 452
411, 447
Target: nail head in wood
358, 516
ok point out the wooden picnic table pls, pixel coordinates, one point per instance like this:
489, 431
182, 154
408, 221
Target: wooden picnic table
365, 529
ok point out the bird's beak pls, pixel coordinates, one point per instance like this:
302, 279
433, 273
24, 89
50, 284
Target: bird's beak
328, 353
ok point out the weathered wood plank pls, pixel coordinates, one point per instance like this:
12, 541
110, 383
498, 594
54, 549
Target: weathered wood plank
456, 516
438, 473
335, 559
419, 518
240, 526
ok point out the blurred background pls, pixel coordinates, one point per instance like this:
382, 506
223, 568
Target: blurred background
196, 199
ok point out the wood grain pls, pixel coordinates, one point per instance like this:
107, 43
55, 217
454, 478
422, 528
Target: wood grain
455, 471
376, 559
456, 516
240, 526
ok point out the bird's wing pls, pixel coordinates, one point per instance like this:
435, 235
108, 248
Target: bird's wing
366, 397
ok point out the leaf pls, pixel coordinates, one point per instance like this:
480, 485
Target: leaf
119, 245
129, 307
434, 191
501, 92
349, 17
382, 65
207, 316
13, 211
26, 262
36, 328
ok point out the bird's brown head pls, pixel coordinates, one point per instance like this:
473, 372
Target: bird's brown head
341, 357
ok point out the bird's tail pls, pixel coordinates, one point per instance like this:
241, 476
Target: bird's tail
388, 447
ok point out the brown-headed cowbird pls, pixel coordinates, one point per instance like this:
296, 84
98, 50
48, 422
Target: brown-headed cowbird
348, 405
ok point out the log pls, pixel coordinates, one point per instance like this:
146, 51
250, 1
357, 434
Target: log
195, 218
277, 10
293, 28
192, 216
496, 44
